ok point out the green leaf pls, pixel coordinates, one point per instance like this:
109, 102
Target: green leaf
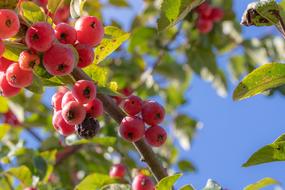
269, 153
98, 74
94, 181
22, 173
76, 8
13, 50
4, 128
106, 141
186, 166
114, 39
50, 159
212, 185
261, 79
42, 72
116, 187
4, 105
32, 12
187, 187
167, 182
36, 86
53, 5
261, 184
11, 4
107, 91
40, 166
174, 11
119, 3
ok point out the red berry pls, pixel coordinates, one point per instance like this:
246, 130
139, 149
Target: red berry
86, 55
217, 14
59, 60
94, 108
204, 25
204, 10
9, 23
65, 33
132, 129
68, 97
42, 3
18, 77
152, 113
155, 136
84, 91
56, 100
73, 113
11, 119
118, 171
90, 30
62, 14
132, 105
4, 64
2, 47
28, 60
127, 91
61, 126
5, 88
142, 182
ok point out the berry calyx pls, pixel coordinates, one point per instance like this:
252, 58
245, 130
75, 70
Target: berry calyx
132, 105
18, 77
73, 113
94, 108
9, 23
68, 97
65, 33
89, 30
4, 64
132, 129
86, 55
60, 124
28, 60
59, 60
118, 171
84, 91
6, 89
56, 100
155, 136
142, 182
152, 113
88, 128
40, 36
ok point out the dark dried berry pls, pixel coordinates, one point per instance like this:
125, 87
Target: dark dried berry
88, 128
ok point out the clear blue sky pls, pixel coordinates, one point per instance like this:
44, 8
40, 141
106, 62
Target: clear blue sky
232, 130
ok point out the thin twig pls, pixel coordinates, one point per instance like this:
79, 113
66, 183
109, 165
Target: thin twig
34, 134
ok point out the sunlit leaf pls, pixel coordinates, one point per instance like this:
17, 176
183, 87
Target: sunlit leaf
76, 7
106, 141
4, 128
13, 50
53, 5
22, 173
32, 12
3, 104
261, 184
167, 182
95, 181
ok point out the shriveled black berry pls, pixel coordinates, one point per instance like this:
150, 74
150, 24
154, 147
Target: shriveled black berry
88, 128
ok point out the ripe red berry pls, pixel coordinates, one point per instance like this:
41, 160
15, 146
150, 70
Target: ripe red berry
118, 171
42, 3
56, 100
132, 129
132, 105
65, 33
155, 136
9, 23
86, 55
61, 126
2, 47
204, 10
28, 60
68, 97
59, 60
5, 88
84, 91
142, 182
94, 108
73, 113
217, 14
4, 64
11, 119
90, 30
40, 36
62, 14
152, 113
18, 77
204, 25
127, 91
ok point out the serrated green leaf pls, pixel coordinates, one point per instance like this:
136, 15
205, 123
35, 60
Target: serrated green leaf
167, 182
32, 12
53, 5
4, 128
212, 185
261, 184
36, 86
3, 104
13, 50
261, 79
174, 11
94, 181
114, 39
22, 173
76, 8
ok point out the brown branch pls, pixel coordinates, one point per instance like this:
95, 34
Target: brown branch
64, 154
117, 114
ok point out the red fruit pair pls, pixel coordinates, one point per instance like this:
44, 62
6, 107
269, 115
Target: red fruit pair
142, 182
118, 171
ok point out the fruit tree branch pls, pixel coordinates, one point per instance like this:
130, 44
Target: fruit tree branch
145, 151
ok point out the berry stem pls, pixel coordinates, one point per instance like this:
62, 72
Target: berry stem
117, 114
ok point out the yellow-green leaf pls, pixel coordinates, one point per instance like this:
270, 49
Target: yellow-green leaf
53, 5
3, 104
167, 182
261, 184
95, 181
97, 73
13, 50
32, 12
22, 173
4, 128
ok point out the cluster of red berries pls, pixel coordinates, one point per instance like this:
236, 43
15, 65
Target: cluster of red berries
207, 16
140, 181
56, 46
132, 127
77, 110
